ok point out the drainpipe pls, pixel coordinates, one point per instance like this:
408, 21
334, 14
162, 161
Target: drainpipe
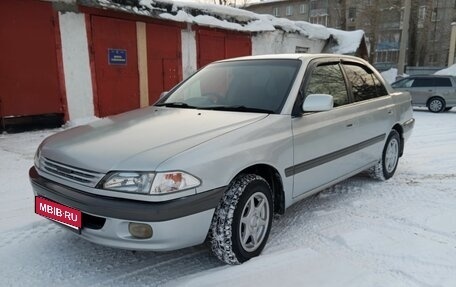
452, 44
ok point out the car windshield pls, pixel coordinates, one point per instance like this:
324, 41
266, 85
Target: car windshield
246, 86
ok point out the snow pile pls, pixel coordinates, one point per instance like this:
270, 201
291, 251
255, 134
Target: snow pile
390, 75
230, 18
348, 41
80, 121
451, 70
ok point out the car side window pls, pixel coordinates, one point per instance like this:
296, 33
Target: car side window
362, 82
404, 83
423, 82
442, 82
328, 79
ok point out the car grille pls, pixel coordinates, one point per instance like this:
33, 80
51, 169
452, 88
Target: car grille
81, 176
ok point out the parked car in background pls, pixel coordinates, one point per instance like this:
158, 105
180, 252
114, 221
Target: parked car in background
436, 92
223, 151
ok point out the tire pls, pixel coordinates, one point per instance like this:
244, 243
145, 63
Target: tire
447, 109
436, 104
245, 212
386, 167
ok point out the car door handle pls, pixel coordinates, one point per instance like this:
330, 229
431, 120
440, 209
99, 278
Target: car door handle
349, 125
390, 112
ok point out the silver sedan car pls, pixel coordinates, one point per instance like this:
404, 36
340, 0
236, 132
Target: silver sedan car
223, 151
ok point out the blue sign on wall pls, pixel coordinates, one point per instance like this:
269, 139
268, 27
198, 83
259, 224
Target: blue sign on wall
117, 57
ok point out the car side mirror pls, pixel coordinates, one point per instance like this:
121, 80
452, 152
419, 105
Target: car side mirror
318, 103
163, 94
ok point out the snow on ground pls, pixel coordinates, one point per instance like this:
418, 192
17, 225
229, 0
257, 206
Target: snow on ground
451, 70
361, 232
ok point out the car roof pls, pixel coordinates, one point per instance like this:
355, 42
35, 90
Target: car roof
428, 76
291, 57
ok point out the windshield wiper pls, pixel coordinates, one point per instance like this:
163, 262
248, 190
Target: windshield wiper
176, 105
237, 108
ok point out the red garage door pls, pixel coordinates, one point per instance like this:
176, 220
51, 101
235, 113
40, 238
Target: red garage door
116, 65
217, 45
164, 59
29, 75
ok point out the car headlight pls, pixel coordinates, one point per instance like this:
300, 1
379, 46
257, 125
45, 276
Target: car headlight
168, 182
134, 182
149, 183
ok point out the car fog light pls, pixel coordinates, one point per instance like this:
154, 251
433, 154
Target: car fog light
140, 230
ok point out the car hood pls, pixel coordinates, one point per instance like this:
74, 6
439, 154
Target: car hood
141, 139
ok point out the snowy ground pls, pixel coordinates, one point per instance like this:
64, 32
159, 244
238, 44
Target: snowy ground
358, 233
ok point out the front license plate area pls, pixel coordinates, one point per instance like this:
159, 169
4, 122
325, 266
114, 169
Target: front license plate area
63, 214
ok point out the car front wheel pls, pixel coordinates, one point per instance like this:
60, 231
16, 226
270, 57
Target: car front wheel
386, 167
436, 105
242, 220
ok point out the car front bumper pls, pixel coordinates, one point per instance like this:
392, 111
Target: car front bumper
175, 223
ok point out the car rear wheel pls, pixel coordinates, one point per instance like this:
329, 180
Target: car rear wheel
386, 167
436, 105
242, 221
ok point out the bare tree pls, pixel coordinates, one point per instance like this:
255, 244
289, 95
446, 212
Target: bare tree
420, 29
342, 13
374, 16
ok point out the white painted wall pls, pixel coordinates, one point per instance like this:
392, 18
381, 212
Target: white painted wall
188, 39
76, 65
278, 42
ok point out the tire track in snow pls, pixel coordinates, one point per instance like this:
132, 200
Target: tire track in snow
338, 207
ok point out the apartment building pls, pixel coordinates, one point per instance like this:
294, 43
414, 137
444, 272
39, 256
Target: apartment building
429, 34
324, 12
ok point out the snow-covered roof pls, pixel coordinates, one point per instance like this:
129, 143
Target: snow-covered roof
347, 41
218, 16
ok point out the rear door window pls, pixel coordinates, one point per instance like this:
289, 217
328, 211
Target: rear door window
364, 85
423, 82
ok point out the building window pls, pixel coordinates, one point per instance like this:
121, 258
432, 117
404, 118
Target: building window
300, 49
303, 8
275, 11
322, 20
421, 16
387, 56
289, 10
352, 13
434, 16
313, 5
422, 13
